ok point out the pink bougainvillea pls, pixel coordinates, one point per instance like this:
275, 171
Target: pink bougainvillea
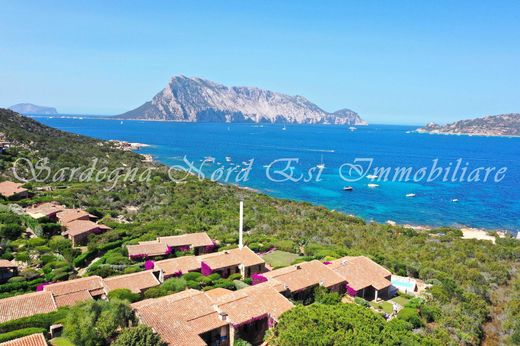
327, 262
351, 292
205, 269
40, 287
138, 257
209, 248
169, 250
258, 278
149, 265
183, 248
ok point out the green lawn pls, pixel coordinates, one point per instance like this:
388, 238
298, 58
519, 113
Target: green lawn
385, 306
400, 300
61, 341
279, 258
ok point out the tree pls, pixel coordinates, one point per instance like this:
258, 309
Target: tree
339, 324
138, 336
324, 296
95, 323
124, 294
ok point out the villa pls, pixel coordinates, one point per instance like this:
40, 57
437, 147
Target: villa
300, 280
199, 243
240, 260
364, 277
26, 305
11, 190
47, 209
79, 230
70, 292
135, 282
69, 215
217, 316
177, 266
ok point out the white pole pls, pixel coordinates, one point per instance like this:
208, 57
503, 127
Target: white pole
241, 226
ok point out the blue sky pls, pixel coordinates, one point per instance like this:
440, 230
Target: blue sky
406, 62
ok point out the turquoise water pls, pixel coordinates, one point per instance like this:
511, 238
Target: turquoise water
403, 284
478, 204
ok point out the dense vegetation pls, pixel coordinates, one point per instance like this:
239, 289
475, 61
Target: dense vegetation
463, 273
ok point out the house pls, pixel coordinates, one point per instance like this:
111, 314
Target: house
11, 190
4, 145
176, 266
240, 260
29, 340
69, 215
47, 209
364, 277
198, 242
79, 230
70, 292
7, 270
186, 318
135, 282
147, 249
26, 305
218, 316
300, 280
250, 311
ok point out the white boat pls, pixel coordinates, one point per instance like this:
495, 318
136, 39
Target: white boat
410, 195
228, 158
372, 185
348, 188
352, 128
372, 176
454, 200
284, 128
209, 159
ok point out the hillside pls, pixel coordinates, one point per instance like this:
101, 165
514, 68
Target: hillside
198, 100
463, 273
492, 125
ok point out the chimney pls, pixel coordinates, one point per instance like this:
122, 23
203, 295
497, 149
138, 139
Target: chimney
241, 227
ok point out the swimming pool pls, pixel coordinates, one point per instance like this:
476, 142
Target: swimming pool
404, 284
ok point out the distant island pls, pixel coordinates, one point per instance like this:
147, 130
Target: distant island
187, 99
492, 125
29, 108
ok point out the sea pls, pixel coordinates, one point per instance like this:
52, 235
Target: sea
377, 172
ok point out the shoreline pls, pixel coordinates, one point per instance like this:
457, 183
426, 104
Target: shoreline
463, 134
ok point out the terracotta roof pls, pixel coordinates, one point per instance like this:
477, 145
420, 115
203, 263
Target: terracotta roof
361, 272
87, 284
78, 227
29, 340
182, 264
189, 239
180, 318
7, 264
135, 282
44, 209
253, 302
304, 275
26, 305
218, 292
69, 215
233, 257
9, 189
153, 248
72, 298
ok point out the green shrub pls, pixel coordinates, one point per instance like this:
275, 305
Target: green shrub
192, 276
324, 296
411, 316
285, 245
239, 284
175, 284
362, 302
36, 321
20, 333
155, 292
236, 276
193, 284
124, 294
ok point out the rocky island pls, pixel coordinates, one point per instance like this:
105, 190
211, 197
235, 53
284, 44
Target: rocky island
29, 108
187, 99
492, 125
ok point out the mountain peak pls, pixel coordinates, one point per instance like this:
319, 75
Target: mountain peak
193, 99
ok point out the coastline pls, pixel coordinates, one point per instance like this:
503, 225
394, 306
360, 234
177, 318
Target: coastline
463, 134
